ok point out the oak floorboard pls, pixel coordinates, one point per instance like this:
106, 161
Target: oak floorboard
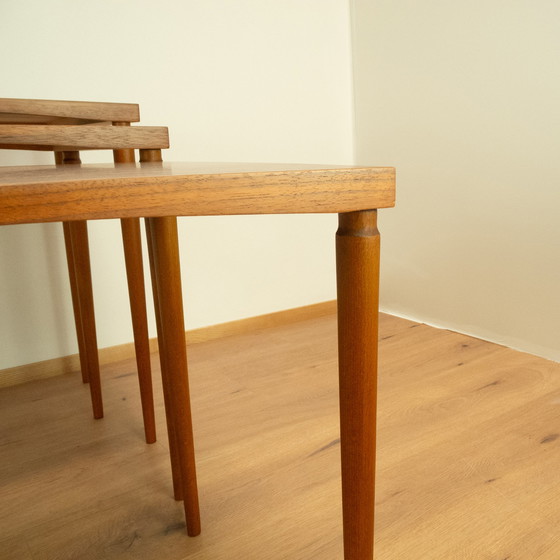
469, 448
14, 548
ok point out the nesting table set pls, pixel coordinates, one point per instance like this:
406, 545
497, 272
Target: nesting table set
160, 192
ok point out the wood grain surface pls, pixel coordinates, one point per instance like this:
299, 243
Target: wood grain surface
65, 364
79, 137
468, 454
49, 193
47, 111
357, 276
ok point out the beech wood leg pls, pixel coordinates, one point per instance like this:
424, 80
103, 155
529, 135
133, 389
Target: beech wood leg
132, 244
357, 255
75, 302
167, 395
82, 267
168, 274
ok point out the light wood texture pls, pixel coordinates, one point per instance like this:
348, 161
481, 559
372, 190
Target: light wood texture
243, 326
165, 249
468, 455
42, 194
357, 273
67, 364
79, 137
47, 111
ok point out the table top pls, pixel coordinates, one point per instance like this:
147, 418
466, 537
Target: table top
95, 191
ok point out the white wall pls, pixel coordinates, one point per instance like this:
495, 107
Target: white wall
243, 80
463, 98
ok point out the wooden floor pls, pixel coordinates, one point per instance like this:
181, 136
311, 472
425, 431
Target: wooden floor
468, 466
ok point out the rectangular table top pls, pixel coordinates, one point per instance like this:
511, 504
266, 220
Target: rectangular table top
95, 191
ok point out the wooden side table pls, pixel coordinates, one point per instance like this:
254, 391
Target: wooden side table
160, 193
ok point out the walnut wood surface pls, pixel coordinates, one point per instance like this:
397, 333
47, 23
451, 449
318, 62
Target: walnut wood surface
49, 193
46, 111
79, 137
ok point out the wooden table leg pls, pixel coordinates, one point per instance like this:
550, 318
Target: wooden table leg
132, 244
75, 301
80, 249
73, 158
357, 254
170, 299
168, 401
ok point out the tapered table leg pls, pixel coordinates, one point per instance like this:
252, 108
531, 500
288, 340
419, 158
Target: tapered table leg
132, 243
170, 299
167, 395
75, 302
357, 253
80, 248
73, 158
